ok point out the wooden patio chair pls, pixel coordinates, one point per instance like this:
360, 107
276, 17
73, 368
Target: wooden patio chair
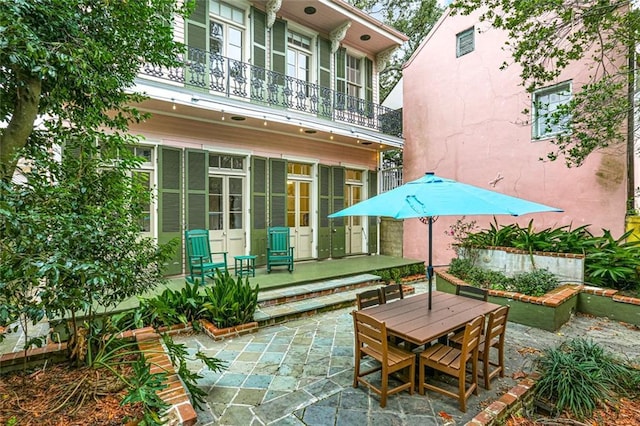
202, 262
493, 337
391, 292
371, 339
279, 250
368, 298
453, 361
472, 292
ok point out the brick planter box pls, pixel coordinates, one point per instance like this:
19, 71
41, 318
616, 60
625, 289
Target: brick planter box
550, 311
222, 333
546, 312
601, 302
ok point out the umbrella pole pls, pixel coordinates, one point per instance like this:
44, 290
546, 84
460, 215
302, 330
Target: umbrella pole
430, 266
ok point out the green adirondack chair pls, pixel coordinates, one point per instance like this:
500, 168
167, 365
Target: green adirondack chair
202, 262
279, 252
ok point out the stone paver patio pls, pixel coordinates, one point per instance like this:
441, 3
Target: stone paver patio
301, 372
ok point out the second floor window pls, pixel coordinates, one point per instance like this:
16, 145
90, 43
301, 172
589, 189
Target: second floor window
548, 117
216, 27
354, 76
225, 40
298, 56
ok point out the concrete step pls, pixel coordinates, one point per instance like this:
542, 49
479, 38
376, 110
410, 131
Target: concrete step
278, 313
295, 293
318, 297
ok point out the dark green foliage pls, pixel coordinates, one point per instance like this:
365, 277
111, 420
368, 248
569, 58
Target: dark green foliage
171, 307
415, 18
535, 283
144, 387
418, 269
609, 262
578, 375
229, 302
614, 263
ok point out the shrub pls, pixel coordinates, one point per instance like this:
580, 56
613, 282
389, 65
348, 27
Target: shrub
578, 374
229, 302
535, 283
613, 263
609, 262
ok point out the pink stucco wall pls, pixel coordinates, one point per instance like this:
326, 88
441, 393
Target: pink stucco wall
463, 120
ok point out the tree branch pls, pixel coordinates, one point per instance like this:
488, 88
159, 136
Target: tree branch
15, 135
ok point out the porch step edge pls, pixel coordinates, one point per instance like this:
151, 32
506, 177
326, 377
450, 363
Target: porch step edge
273, 314
315, 289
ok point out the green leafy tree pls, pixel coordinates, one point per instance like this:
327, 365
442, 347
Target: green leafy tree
415, 18
73, 62
545, 37
69, 232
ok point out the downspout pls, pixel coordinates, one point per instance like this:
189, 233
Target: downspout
631, 119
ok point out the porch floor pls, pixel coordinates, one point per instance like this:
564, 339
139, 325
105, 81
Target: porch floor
304, 272
317, 270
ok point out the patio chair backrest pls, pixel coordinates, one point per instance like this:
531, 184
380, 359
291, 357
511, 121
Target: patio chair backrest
197, 244
278, 242
368, 298
472, 292
391, 292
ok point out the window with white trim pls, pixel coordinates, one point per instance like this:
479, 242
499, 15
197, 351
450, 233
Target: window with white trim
299, 56
465, 42
547, 120
226, 30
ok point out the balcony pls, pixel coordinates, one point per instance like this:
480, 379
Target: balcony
227, 77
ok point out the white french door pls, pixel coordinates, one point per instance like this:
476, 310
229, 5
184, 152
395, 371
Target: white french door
299, 217
353, 195
226, 214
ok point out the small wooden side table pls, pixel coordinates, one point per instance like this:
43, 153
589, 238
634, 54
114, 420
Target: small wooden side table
245, 265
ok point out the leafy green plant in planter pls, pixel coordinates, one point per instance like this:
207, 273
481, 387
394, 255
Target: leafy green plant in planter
418, 269
578, 375
614, 262
385, 275
396, 275
535, 283
171, 307
229, 302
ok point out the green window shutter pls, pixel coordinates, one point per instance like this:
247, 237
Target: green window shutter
324, 199
197, 210
258, 212
170, 204
373, 220
259, 21
277, 192
279, 46
324, 62
368, 80
341, 78
338, 234
196, 38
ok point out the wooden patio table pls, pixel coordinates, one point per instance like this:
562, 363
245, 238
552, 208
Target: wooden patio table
411, 320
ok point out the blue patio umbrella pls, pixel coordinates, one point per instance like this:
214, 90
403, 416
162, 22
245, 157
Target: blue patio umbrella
432, 195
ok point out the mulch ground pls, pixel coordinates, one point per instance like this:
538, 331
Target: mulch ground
626, 412
59, 395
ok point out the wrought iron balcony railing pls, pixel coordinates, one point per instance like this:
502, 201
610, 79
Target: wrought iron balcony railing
228, 77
